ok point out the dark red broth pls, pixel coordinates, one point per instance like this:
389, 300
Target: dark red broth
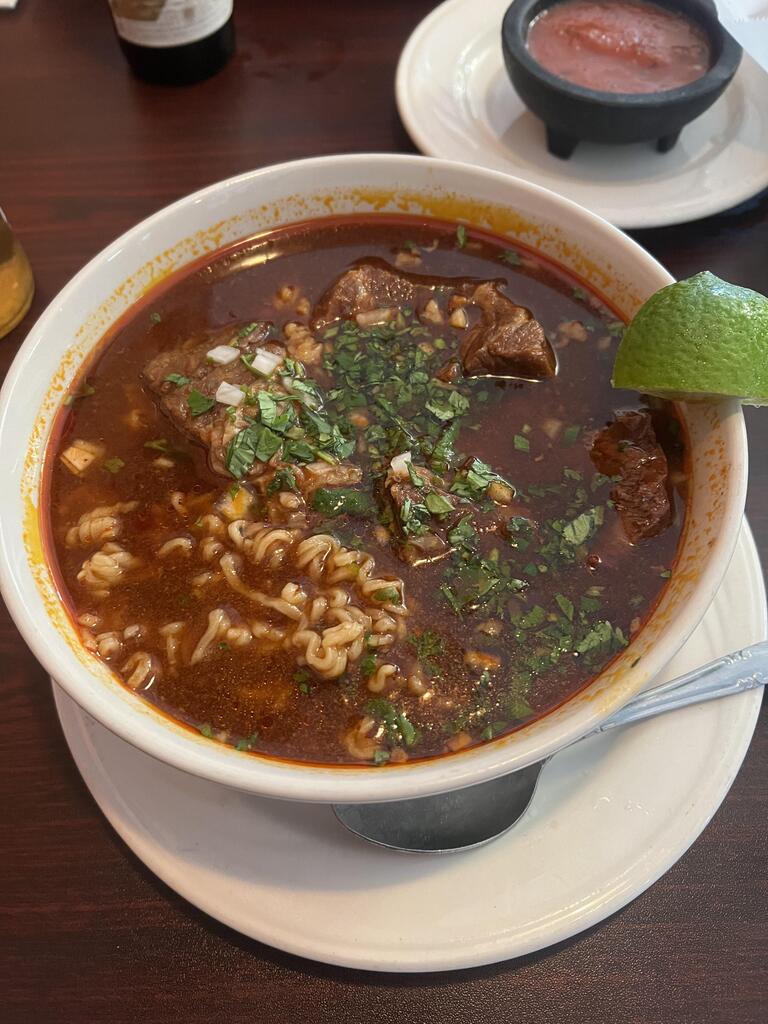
626, 46
539, 589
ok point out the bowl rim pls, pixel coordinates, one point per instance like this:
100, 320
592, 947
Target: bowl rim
304, 781
514, 29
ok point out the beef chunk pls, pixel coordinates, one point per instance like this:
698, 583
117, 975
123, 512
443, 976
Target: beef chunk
215, 428
507, 341
422, 536
362, 290
411, 498
628, 448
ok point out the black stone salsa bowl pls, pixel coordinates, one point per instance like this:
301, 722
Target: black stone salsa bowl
573, 113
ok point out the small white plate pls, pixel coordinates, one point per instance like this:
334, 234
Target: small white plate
457, 102
610, 816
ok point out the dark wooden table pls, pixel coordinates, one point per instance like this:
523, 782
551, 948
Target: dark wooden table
88, 934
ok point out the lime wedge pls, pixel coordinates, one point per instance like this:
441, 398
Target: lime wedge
701, 339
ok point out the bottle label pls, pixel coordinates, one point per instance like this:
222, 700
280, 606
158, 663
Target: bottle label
168, 22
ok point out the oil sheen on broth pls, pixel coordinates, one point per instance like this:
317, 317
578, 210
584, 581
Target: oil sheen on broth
303, 501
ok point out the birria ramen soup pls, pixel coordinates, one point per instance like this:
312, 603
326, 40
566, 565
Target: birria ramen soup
359, 491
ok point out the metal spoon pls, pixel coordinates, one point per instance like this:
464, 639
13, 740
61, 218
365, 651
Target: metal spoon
466, 818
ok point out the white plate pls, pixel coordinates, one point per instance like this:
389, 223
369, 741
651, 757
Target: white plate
610, 816
456, 101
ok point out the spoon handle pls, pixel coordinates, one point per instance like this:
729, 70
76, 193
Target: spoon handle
734, 673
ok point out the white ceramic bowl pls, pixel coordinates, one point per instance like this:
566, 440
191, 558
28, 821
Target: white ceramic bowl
74, 322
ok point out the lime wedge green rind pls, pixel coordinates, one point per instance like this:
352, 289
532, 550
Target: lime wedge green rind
701, 339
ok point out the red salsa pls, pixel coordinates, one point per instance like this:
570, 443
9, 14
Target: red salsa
626, 46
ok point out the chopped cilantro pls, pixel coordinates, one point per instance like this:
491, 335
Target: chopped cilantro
428, 646
159, 444
246, 744
600, 635
584, 526
178, 379
451, 598
246, 330
415, 477
381, 756
338, 501
463, 533
408, 731
113, 465
206, 730
522, 444
283, 480
198, 403
398, 728
448, 408
518, 707
437, 504
478, 581
155, 318
535, 617
387, 595
571, 435
368, 665
253, 443
461, 236
494, 729
443, 454
511, 257
412, 515
565, 605
474, 480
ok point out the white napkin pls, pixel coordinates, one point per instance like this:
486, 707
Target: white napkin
7, 5
747, 21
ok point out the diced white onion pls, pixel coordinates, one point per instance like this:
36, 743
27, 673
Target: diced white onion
431, 312
399, 465
229, 394
222, 355
459, 319
552, 427
266, 362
